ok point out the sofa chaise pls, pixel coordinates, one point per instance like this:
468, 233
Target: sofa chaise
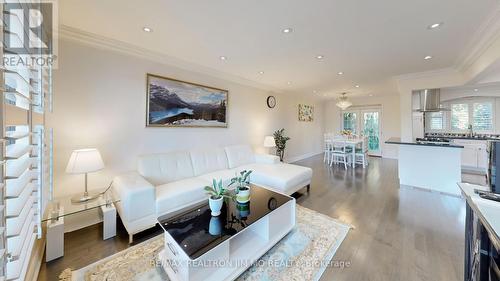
168, 182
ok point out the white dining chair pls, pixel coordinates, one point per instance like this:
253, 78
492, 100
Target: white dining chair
340, 153
327, 150
361, 153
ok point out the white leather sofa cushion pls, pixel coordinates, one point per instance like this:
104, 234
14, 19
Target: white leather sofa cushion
278, 176
238, 155
163, 168
176, 195
208, 160
224, 175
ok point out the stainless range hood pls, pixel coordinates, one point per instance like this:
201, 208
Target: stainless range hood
430, 101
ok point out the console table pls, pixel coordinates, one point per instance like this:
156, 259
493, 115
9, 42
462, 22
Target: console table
201, 247
62, 207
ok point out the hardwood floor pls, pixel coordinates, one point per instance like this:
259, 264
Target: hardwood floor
399, 233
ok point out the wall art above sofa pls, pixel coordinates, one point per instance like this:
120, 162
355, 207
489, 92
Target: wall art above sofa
175, 103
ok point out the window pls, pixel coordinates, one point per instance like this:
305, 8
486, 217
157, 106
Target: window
459, 116
482, 116
435, 120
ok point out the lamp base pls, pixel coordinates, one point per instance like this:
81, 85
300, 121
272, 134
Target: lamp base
85, 197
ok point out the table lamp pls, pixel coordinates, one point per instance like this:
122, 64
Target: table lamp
84, 161
269, 142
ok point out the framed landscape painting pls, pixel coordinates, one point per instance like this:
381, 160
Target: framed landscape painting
306, 113
175, 103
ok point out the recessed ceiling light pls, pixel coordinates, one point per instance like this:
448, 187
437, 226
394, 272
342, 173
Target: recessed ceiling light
371, 95
261, 72
340, 73
475, 90
434, 25
427, 57
147, 29
357, 86
287, 30
223, 58
319, 57
289, 82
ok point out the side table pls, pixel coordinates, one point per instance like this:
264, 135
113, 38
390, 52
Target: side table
62, 207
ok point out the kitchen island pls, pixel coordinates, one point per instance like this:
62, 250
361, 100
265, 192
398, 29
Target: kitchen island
432, 166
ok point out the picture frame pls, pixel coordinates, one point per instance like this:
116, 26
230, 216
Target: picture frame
176, 103
306, 113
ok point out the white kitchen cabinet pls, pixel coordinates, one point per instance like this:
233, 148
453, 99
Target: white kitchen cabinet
474, 154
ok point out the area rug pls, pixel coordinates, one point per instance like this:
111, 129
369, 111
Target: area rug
303, 254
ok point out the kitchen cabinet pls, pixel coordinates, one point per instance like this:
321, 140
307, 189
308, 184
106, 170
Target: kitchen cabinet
474, 154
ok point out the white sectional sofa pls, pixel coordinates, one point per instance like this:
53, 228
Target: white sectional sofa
168, 182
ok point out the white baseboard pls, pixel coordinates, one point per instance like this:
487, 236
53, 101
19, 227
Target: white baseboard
301, 157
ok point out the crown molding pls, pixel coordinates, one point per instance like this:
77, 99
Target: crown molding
487, 34
426, 74
102, 42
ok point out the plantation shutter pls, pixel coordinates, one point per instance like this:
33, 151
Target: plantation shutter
24, 155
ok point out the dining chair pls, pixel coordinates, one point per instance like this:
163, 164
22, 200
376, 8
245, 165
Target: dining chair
361, 153
340, 153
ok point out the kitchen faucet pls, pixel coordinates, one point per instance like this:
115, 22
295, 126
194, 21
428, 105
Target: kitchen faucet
471, 132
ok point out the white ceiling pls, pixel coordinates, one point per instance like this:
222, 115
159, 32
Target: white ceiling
370, 41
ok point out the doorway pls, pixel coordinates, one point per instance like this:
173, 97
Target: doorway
366, 122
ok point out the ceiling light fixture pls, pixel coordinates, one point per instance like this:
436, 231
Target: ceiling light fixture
343, 102
289, 82
427, 57
147, 29
287, 30
340, 73
475, 90
357, 86
434, 25
370, 95
261, 72
223, 58
319, 57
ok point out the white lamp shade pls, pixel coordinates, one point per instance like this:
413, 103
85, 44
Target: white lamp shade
84, 161
269, 141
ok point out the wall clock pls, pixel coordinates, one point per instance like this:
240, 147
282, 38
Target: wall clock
271, 101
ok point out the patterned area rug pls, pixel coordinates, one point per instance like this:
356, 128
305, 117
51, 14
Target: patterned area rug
303, 254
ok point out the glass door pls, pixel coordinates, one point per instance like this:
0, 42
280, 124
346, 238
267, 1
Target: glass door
370, 126
364, 122
350, 121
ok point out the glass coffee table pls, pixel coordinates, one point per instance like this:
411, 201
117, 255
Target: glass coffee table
199, 246
62, 207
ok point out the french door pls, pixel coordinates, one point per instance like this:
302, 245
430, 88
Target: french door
365, 122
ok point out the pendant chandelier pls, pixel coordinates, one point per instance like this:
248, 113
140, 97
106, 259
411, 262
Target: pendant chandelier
343, 102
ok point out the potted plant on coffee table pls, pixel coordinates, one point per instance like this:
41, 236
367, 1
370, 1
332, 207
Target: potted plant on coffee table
242, 182
217, 192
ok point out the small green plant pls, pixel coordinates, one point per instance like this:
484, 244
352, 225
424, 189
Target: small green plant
217, 190
280, 141
242, 180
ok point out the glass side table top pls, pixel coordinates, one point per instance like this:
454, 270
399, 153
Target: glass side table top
62, 206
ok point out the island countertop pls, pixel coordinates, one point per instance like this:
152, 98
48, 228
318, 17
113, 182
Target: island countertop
395, 140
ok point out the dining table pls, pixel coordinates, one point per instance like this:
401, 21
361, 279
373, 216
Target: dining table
352, 143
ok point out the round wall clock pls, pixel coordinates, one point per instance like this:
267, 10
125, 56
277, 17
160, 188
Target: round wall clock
271, 101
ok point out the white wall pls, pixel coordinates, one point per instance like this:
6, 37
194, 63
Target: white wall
390, 119
100, 101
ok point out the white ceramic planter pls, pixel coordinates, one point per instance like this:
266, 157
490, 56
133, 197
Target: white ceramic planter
215, 205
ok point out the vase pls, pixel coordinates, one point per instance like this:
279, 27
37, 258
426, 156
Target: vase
243, 194
215, 205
